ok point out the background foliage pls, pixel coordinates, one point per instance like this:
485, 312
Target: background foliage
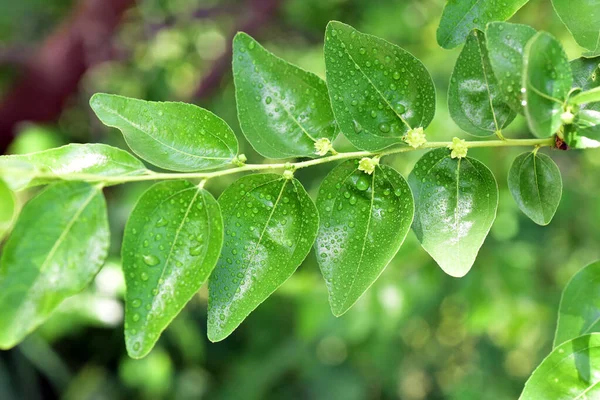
417, 333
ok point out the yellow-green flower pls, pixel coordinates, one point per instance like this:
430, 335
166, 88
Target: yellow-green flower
459, 148
415, 137
368, 164
323, 146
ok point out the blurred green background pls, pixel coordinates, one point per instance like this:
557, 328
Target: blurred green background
416, 334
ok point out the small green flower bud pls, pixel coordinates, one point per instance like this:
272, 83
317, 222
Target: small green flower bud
567, 117
239, 160
288, 174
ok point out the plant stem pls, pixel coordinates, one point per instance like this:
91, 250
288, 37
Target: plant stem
151, 176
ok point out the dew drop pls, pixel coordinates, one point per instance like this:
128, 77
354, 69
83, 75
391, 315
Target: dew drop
150, 260
384, 128
196, 251
362, 183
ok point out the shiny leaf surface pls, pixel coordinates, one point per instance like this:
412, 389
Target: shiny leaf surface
282, 109
475, 101
570, 372
547, 79
270, 226
173, 136
8, 209
583, 21
171, 244
535, 183
73, 161
580, 305
57, 246
460, 17
456, 202
506, 45
363, 221
378, 90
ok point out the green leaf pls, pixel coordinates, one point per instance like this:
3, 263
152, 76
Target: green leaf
475, 101
547, 79
59, 243
570, 372
282, 109
378, 90
588, 96
580, 305
582, 19
270, 226
586, 75
506, 45
586, 131
70, 162
363, 221
456, 202
536, 185
8, 209
461, 17
173, 136
171, 244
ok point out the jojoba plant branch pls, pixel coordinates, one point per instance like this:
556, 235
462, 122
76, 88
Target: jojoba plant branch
154, 176
251, 239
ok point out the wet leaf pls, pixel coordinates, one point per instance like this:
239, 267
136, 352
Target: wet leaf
378, 90
363, 221
8, 209
456, 202
535, 183
282, 109
173, 136
171, 244
547, 79
475, 101
57, 246
506, 46
583, 21
71, 162
580, 305
461, 17
270, 226
570, 372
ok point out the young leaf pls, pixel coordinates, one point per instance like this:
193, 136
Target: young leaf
586, 131
171, 244
461, 17
580, 305
174, 136
536, 185
73, 161
506, 46
456, 202
283, 110
378, 90
474, 98
571, 371
8, 209
588, 96
363, 221
547, 79
582, 19
59, 243
270, 226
